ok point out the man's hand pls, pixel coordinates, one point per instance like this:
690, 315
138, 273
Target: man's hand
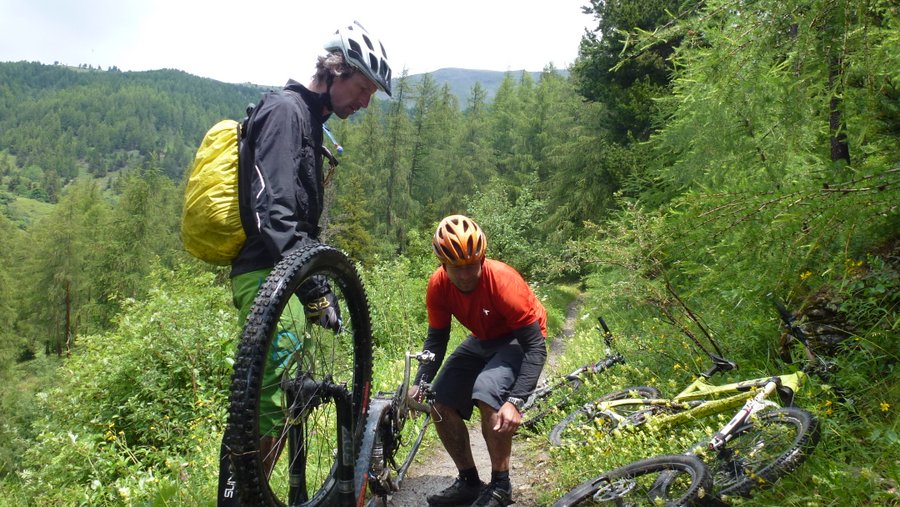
507, 419
324, 311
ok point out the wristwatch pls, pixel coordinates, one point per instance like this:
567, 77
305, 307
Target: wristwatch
517, 402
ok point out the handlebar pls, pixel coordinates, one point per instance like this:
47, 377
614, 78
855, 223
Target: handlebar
604, 331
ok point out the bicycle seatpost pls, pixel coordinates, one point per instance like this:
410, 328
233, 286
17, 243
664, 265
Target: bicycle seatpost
720, 364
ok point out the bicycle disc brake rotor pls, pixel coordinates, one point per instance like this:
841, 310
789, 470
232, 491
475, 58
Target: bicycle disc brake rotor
613, 492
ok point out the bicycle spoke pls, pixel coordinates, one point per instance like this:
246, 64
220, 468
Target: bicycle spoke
759, 453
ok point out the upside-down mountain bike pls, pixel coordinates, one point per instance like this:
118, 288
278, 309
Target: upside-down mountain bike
389, 440
319, 385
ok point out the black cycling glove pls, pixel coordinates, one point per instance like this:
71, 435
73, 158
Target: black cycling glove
324, 311
320, 304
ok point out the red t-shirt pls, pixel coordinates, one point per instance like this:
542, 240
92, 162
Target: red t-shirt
502, 302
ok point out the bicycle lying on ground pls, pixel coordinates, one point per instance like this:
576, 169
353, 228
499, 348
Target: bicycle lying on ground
388, 444
751, 450
558, 394
761, 443
322, 377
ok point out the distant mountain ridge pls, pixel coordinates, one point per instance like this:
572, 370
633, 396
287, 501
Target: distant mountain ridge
461, 80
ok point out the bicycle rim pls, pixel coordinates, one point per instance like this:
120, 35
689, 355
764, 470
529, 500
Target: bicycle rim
588, 423
771, 445
314, 378
671, 481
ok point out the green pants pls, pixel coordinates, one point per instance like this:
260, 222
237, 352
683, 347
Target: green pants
287, 342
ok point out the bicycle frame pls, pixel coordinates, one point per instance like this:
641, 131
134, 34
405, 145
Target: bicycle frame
702, 398
694, 401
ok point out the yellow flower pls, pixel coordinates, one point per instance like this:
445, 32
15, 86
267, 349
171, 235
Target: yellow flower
885, 406
805, 275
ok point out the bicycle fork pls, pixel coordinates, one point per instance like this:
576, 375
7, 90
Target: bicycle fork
753, 405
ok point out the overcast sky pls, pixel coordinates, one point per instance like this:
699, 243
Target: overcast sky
268, 41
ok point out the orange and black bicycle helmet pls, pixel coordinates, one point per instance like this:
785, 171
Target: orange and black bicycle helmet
458, 241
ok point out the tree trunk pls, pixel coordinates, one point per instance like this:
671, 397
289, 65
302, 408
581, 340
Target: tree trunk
68, 325
840, 150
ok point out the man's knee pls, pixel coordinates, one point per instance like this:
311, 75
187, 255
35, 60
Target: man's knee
488, 413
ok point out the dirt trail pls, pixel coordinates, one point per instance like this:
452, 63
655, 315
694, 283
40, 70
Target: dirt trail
433, 470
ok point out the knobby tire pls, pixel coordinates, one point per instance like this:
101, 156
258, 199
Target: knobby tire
378, 413
389, 446
322, 380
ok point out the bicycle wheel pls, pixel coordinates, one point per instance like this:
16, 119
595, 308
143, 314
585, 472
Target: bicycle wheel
388, 448
587, 422
672, 481
313, 377
553, 399
771, 445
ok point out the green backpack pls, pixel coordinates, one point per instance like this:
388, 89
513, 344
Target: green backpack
211, 227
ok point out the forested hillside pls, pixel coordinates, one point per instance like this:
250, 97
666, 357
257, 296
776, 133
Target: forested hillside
61, 122
699, 160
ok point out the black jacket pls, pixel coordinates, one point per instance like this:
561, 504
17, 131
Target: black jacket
280, 181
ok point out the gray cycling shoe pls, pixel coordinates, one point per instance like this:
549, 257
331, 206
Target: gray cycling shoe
458, 493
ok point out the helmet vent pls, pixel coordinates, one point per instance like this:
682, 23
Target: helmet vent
355, 48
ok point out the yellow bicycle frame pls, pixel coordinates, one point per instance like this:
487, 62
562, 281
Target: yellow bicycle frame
701, 399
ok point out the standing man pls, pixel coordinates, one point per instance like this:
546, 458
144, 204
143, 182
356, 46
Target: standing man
494, 368
281, 186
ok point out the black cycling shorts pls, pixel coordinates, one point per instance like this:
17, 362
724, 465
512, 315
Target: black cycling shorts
478, 370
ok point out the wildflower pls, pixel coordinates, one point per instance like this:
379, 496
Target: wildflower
805, 275
885, 406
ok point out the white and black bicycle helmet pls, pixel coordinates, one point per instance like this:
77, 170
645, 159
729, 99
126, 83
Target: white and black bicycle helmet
363, 52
